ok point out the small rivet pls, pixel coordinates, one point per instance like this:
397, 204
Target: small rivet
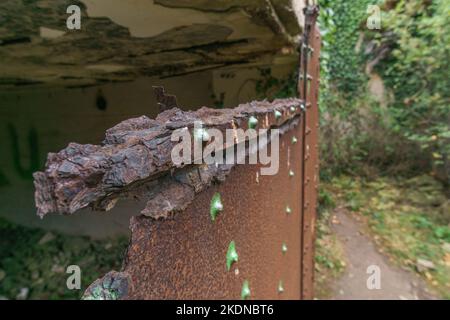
245, 292
284, 248
252, 122
216, 206
232, 255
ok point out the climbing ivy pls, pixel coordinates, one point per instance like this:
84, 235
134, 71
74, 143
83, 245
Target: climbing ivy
342, 64
417, 71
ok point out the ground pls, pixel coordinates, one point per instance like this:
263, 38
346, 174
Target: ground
400, 225
360, 253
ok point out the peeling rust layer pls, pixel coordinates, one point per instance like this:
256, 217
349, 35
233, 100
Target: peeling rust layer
135, 160
184, 257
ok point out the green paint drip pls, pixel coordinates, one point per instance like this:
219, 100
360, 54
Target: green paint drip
216, 206
277, 114
232, 255
245, 293
280, 287
99, 293
252, 122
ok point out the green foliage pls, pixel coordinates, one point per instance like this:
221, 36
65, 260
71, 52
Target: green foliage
339, 22
271, 87
325, 200
27, 261
351, 121
418, 71
357, 132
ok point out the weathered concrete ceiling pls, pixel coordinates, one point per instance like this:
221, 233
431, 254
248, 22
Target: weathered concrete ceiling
121, 40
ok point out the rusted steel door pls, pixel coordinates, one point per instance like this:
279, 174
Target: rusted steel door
206, 232
186, 257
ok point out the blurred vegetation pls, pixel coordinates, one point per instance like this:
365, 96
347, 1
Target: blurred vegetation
417, 71
410, 132
33, 262
380, 157
408, 219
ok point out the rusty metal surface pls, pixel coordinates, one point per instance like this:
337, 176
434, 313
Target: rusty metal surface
309, 92
185, 257
137, 151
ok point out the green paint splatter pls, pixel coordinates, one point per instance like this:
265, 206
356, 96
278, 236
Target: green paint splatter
232, 255
245, 292
216, 206
277, 114
252, 122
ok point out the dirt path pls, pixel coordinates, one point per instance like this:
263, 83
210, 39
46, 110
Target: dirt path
361, 253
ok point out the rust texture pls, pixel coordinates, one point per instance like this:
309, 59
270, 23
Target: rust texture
134, 153
309, 91
184, 257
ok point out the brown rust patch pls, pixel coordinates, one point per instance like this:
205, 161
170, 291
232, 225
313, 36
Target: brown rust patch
184, 257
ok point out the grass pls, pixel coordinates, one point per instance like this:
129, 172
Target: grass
35, 261
329, 253
408, 219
